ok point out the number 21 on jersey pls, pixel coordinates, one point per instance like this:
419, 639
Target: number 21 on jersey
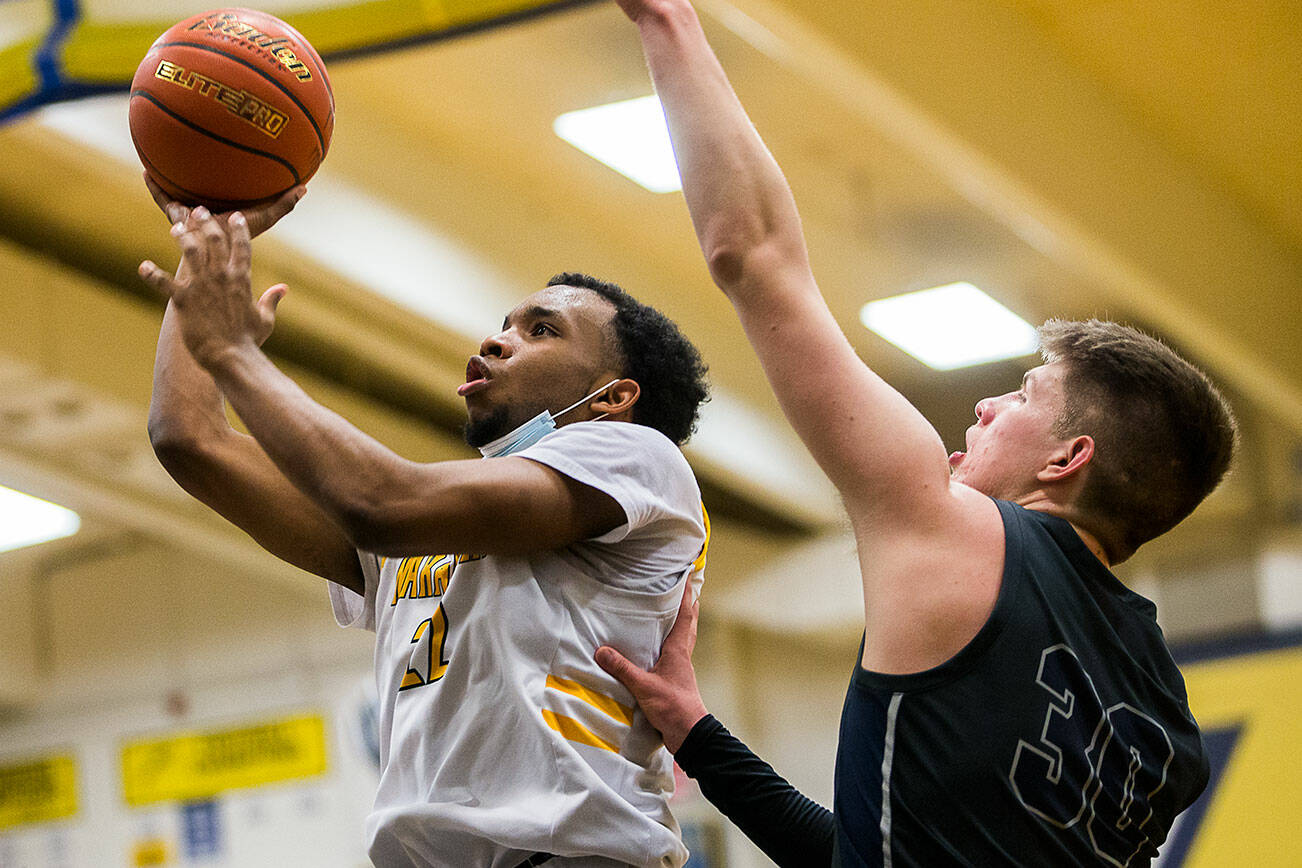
428, 661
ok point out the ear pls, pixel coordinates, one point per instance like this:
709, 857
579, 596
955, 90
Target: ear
1071, 458
617, 399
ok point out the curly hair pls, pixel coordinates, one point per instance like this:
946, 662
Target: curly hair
653, 352
1164, 435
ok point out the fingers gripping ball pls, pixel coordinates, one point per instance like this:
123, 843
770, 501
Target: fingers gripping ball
230, 108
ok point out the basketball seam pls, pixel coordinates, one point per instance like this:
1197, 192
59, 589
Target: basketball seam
144, 94
214, 203
320, 139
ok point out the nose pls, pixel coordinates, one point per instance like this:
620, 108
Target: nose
497, 345
985, 410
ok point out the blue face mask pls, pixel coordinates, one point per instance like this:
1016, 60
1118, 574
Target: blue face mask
535, 429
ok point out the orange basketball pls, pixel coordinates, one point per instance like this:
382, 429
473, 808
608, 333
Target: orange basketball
231, 107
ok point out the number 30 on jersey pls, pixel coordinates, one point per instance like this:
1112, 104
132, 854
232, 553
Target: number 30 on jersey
1093, 764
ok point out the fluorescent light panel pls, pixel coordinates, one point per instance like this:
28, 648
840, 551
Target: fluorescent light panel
27, 520
952, 326
630, 137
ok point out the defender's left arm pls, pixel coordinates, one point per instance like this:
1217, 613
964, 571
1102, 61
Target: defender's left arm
384, 503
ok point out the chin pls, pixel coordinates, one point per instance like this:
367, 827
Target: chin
486, 428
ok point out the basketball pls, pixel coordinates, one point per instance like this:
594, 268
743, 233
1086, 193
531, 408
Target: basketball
230, 108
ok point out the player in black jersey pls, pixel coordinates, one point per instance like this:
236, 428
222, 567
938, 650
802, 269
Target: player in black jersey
1013, 702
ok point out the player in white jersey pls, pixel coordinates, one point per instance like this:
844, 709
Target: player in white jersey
486, 662
489, 583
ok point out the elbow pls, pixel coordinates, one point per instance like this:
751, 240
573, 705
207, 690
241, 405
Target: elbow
727, 264
365, 521
192, 455
360, 529
749, 256
175, 447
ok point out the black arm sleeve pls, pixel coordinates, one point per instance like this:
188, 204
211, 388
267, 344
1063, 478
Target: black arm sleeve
789, 828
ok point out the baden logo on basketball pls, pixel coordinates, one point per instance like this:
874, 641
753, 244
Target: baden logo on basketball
229, 24
240, 102
230, 108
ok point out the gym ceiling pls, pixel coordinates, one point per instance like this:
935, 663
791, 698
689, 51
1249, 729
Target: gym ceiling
1074, 158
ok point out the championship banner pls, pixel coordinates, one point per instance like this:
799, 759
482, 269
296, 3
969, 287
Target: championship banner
38, 791
199, 765
53, 50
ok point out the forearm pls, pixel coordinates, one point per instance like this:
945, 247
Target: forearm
741, 206
791, 829
339, 468
186, 406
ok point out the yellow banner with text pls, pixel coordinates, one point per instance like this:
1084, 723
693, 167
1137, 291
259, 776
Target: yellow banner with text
38, 791
199, 765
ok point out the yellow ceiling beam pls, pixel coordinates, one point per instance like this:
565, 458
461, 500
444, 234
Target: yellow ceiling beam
978, 92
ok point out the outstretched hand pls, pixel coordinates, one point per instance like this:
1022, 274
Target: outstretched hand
259, 218
212, 300
667, 694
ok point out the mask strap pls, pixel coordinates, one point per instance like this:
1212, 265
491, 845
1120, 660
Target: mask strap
588, 398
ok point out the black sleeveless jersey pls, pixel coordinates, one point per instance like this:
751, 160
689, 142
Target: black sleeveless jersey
1060, 735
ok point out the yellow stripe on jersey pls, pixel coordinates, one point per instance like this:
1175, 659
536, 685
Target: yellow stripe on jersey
572, 730
599, 701
699, 563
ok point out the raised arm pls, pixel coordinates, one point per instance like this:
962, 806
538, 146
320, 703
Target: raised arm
228, 472
885, 459
304, 458
930, 551
225, 469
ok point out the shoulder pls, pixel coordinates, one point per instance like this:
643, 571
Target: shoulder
932, 583
630, 462
620, 445
606, 433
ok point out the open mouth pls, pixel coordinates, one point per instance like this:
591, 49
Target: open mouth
477, 377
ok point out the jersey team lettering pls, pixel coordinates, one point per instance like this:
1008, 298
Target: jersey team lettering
239, 102
229, 24
419, 578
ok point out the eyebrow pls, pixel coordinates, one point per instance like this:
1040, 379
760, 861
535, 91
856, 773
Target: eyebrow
533, 311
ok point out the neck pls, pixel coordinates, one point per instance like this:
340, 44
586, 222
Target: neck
1092, 543
1041, 502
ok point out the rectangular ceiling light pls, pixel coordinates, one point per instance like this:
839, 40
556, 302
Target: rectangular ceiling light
950, 326
629, 136
27, 520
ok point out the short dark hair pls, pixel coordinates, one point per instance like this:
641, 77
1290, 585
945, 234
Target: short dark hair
652, 351
1164, 435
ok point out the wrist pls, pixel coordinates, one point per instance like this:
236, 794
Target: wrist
667, 14
686, 720
223, 358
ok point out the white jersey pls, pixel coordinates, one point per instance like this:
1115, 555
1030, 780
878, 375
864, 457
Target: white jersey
500, 737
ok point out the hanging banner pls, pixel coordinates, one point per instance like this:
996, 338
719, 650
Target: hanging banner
54, 50
38, 791
199, 765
